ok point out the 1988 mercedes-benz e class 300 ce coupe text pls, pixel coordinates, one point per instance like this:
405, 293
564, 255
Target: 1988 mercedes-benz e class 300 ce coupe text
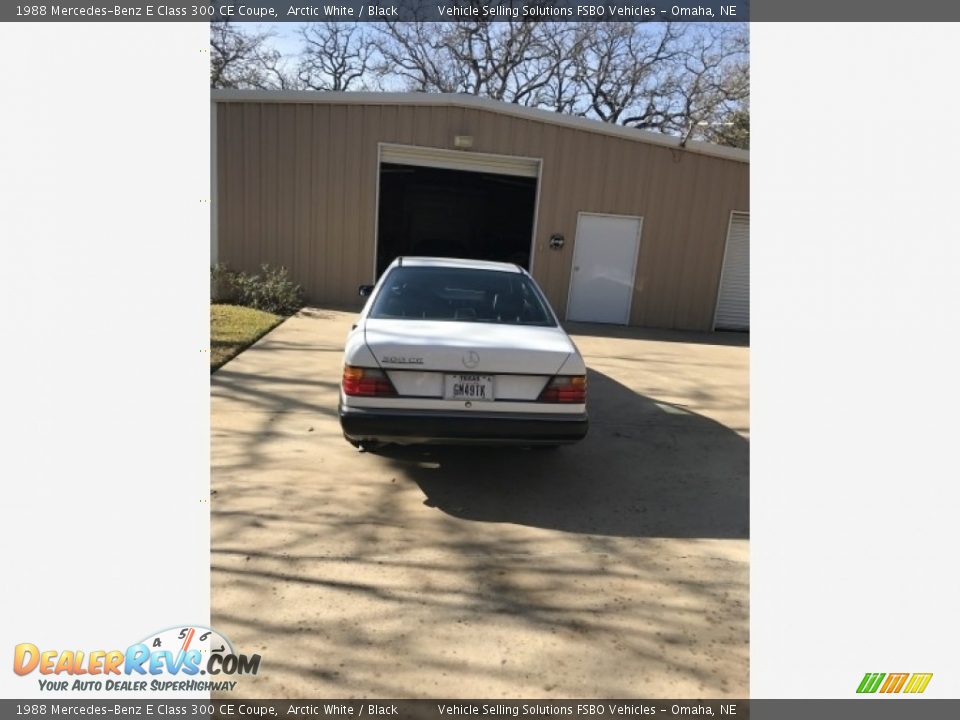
460, 351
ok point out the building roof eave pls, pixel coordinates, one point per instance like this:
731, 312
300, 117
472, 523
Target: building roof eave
481, 103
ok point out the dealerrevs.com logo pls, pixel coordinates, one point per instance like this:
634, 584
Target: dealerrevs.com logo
185, 658
910, 683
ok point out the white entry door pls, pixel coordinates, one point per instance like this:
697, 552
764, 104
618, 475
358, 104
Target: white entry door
604, 265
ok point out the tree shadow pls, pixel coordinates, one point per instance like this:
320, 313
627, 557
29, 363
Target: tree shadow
645, 469
630, 332
425, 572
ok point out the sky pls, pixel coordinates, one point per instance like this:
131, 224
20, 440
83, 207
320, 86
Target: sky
286, 40
286, 35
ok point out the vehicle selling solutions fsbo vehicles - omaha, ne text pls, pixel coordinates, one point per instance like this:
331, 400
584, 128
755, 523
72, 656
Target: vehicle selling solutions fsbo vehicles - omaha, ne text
460, 351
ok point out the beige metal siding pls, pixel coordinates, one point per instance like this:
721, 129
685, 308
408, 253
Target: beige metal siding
297, 187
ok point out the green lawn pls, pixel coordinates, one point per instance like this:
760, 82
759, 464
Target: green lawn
234, 328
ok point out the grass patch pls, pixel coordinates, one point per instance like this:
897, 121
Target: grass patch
234, 328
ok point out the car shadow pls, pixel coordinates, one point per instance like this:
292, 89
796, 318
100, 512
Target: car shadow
645, 469
727, 338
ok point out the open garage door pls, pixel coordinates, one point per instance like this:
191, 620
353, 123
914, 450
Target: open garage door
733, 301
455, 204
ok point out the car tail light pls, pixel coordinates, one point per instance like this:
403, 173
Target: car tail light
366, 382
565, 389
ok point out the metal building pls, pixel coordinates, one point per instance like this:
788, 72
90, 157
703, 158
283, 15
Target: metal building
617, 225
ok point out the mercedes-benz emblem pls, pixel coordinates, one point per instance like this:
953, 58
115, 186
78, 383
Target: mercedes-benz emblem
471, 360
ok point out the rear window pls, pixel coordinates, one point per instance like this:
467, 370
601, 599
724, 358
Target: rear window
484, 296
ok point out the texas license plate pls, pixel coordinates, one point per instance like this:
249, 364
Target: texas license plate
469, 387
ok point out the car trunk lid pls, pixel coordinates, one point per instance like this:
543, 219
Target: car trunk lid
467, 347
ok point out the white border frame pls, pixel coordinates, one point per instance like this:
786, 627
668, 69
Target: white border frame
636, 260
456, 153
723, 264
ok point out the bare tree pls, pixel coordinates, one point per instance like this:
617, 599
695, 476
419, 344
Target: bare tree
411, 53
626, 72
715, 82
507, 60
732, 129
562, 90
239, 59
336, 56
687, 79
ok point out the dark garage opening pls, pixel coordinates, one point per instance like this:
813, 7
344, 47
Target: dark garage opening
454, 213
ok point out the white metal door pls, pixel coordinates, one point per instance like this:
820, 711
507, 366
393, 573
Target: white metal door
733, 300
604, 265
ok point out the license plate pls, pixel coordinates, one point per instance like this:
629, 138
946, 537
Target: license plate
469, 387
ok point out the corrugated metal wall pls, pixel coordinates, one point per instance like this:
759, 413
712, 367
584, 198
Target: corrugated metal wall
297, 182
733, 303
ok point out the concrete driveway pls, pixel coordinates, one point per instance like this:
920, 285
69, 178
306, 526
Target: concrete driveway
615, 568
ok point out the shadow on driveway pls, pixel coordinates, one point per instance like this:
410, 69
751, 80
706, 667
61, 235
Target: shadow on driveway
687, 337
646, 469
611, 568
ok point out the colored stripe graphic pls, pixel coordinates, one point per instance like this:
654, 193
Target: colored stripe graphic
894, 682
870, 682
918, 682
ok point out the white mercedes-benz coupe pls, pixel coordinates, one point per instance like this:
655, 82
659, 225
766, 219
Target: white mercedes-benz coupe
460, 352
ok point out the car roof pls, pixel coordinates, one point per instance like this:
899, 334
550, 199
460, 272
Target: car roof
461, 263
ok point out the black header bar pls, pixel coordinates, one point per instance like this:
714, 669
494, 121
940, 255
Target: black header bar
300, 11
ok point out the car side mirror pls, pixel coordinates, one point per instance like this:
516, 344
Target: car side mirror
365, 290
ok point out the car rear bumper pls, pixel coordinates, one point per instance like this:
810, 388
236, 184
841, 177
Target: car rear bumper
412, 427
